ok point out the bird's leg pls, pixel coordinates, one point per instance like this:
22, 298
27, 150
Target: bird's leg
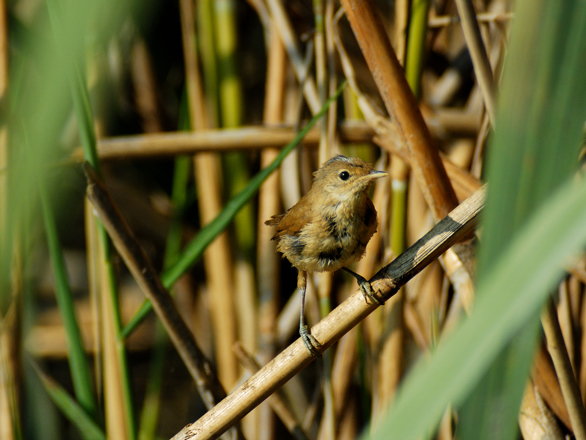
310, 342
365, 287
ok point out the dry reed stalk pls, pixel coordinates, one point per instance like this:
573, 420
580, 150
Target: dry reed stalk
481, 17
544, 378
479, 55
288, 319
564, 313
92, 246
575, 297
291, 43
110, 368
324, 284
219, 140
582, 374
389, 365
145, 86
451, 122
478, 159
563, 368
119, 423
332, 118
578, 269
372, 328
343, 371
217, 258
152, 145
390, 359
268, 205
341, 320
400, 28
349, 428
445, 429
416, 327
326, 80
366, 267
425, 298
245, 304
9, 356
321, 76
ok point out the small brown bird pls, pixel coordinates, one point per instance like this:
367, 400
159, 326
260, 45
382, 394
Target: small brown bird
329, 227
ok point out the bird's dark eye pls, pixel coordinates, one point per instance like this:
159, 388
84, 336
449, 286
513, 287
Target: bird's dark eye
344, 175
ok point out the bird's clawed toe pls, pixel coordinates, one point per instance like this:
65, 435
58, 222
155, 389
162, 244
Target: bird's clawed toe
310, 342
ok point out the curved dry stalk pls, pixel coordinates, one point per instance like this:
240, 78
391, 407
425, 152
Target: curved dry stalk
478, 54
340, 321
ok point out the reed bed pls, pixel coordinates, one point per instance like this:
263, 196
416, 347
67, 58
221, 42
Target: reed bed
143, 145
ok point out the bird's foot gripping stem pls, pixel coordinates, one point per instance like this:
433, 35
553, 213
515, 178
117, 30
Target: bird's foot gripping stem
365, 287
310, 342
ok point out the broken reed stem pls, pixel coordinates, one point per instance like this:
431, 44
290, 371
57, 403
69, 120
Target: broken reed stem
340, 321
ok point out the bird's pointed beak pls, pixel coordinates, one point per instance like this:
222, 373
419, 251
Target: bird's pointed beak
374, 174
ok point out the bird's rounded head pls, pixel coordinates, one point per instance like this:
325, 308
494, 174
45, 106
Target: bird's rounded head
342, 175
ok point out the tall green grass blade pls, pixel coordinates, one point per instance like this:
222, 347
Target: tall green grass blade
195, 248
534, 149
85, 121
39, 103
78, 362
521, 280
87, 427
